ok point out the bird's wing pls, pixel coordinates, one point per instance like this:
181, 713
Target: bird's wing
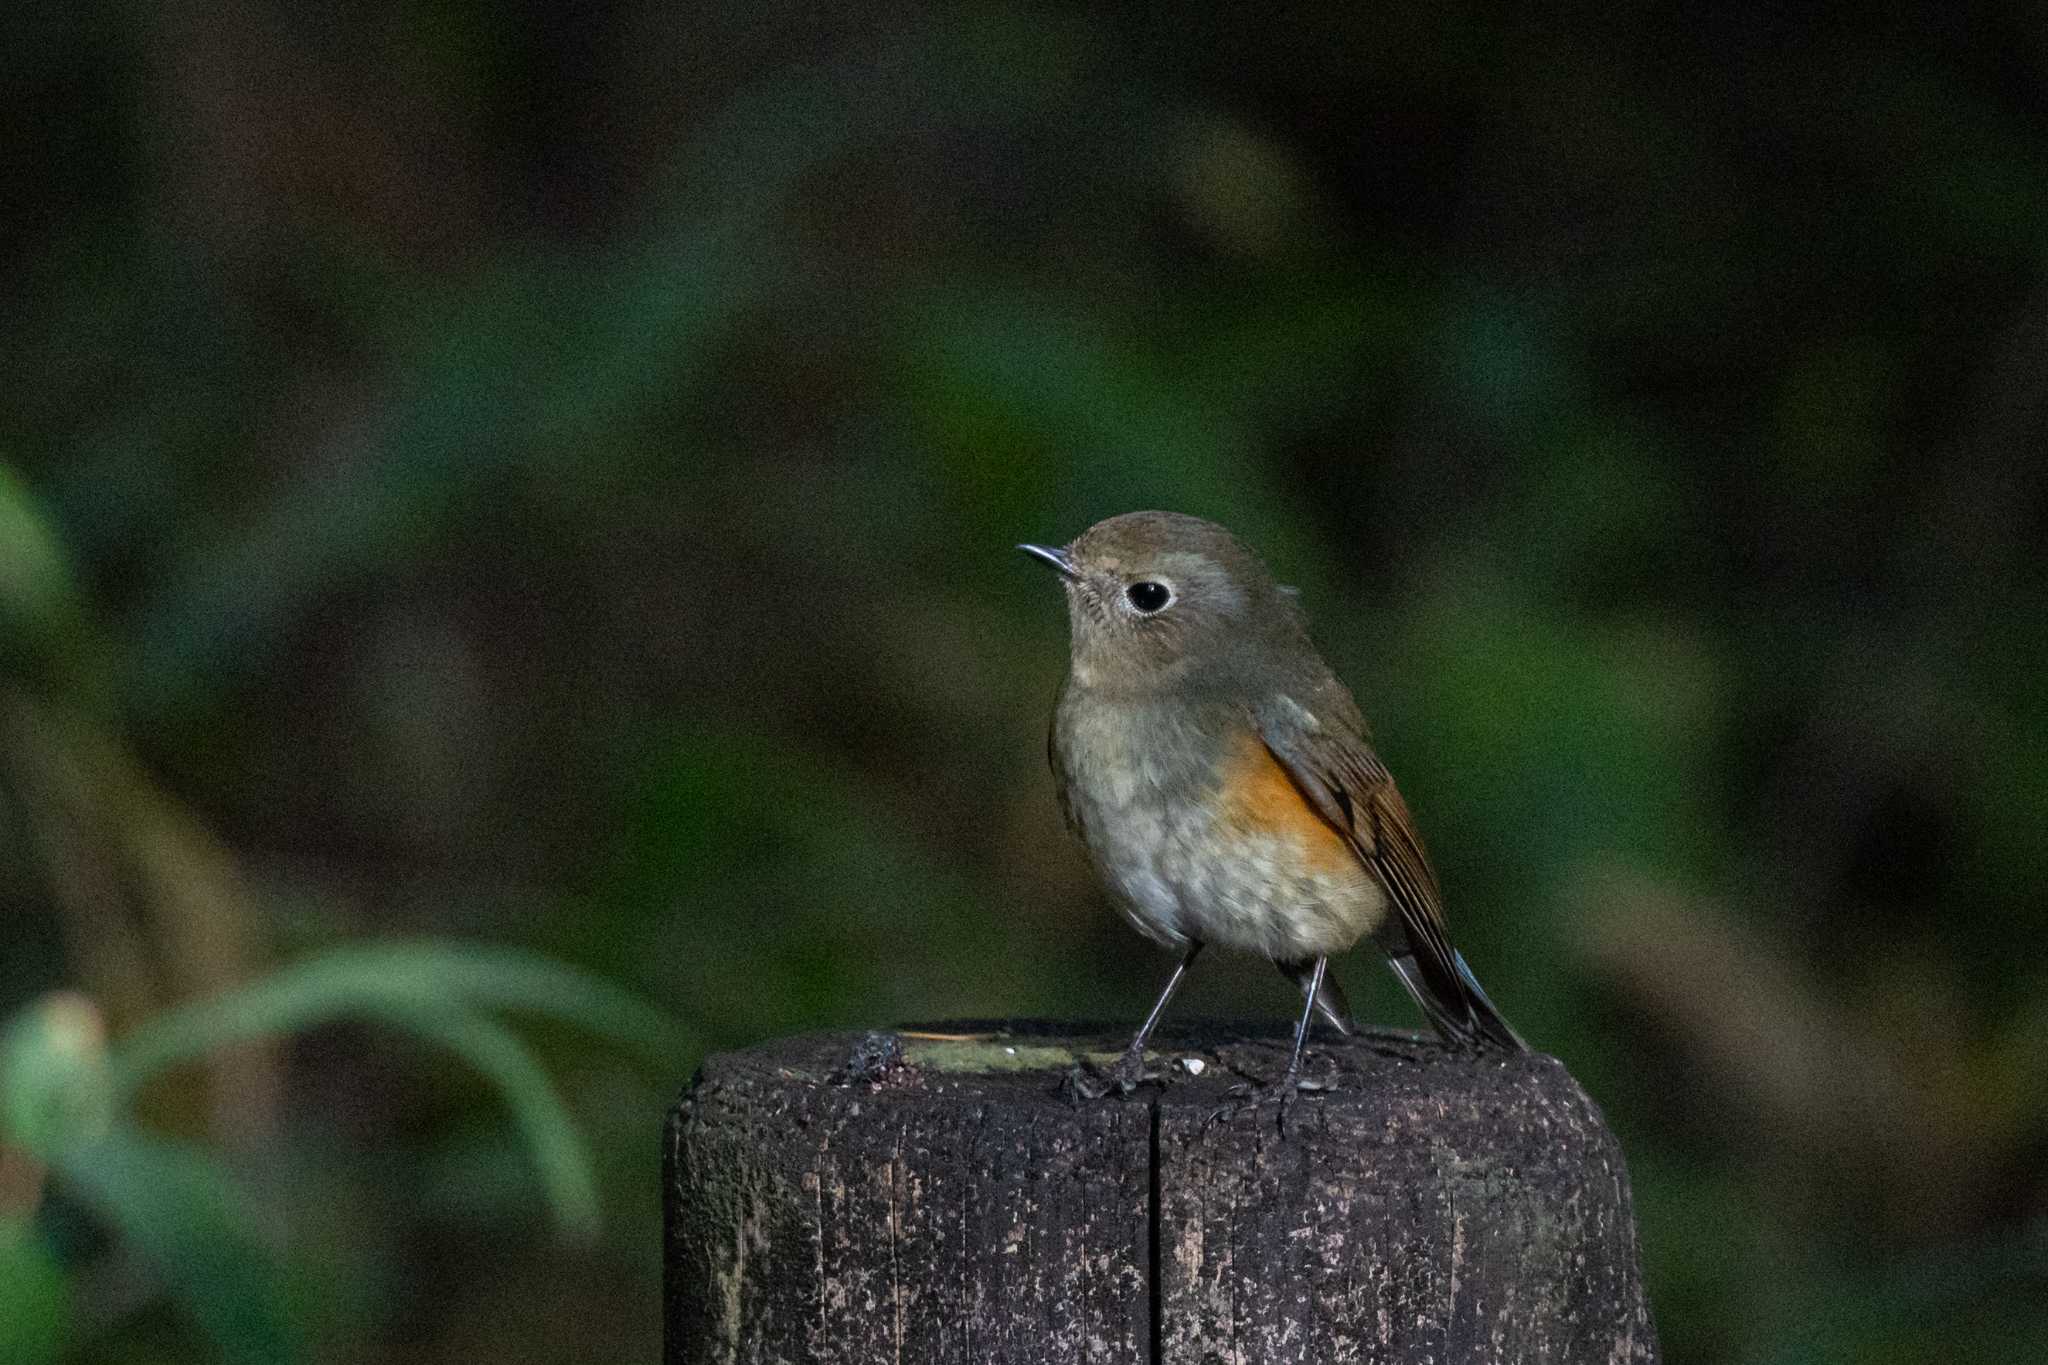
1329, 760
1061, 784
1059, 777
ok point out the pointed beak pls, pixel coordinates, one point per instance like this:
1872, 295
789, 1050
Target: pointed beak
1057, 557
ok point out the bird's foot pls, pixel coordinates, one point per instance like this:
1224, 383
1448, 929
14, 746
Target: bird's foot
1282, 1094
1084, 1081
1087, 1081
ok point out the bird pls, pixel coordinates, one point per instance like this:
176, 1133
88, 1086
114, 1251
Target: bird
1223, 784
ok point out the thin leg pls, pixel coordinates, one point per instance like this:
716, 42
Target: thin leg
1282, 1092
1308, 1015
1129, 1070
1159, 1007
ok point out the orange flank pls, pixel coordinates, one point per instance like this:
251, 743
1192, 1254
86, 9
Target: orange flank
1260, 798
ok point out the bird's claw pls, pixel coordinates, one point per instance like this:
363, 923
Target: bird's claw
1087, 1081
1084, 1081
1282, 1094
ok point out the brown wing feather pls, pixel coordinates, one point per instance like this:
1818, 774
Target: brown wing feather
1352, 790
1404, 869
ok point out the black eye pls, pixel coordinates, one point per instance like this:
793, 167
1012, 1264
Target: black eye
1149, 597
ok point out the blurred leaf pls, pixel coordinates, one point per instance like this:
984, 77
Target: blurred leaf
1563, 739
46, 634
557, 1147
180, 1212
33, 1302
398, 984
433, 991
35, 577
1290, 348
55, 1084
1025, 405
1592, 512
1247, 191
1058, 383
1502, 361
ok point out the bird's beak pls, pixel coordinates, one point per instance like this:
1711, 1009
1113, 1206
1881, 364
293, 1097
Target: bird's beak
1056, 556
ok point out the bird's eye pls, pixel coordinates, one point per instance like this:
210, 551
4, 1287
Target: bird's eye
1149, 597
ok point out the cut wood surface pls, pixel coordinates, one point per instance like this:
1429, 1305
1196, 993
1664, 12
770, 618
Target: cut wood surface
932, 1195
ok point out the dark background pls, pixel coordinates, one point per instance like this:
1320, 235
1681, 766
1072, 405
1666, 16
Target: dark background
545, 475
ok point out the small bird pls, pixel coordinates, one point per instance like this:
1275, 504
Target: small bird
1219, 776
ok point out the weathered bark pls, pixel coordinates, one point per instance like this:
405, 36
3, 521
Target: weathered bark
835, 1199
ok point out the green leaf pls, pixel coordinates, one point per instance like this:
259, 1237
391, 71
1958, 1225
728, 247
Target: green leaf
394, 983
33, 1305
35, 576
47, 636
558, 1149
436, 992
54, 1082
178, 1210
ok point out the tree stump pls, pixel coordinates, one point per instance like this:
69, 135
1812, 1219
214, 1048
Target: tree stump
933, 1196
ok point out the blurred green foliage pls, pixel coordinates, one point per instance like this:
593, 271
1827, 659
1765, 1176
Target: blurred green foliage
541, 479
66, 1100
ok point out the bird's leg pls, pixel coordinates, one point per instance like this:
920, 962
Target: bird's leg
1129, 1070
1308, 1014
1282, 1091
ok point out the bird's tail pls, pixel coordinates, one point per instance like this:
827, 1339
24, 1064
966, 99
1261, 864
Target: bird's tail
1468, 1021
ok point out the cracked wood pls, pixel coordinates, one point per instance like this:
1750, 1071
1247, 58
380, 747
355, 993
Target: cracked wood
946, 1205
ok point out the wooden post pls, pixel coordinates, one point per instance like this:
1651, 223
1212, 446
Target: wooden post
910, 1197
